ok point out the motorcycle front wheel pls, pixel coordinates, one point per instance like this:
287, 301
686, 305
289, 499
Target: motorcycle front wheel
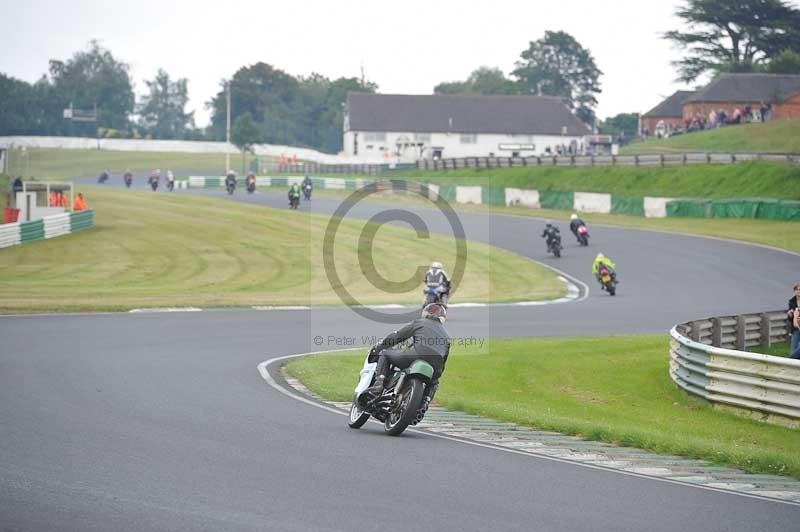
405, 408
357, 416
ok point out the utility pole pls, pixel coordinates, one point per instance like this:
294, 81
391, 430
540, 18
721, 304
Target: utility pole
228, 126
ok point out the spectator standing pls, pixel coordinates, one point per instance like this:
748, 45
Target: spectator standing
53, 199
763, 112
793, 315
16, 187
79, 204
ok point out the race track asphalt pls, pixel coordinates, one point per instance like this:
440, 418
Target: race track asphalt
162, 421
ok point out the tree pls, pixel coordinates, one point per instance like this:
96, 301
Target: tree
245, 135
558, 65
623, 125
484, 80
723, 36
94, 78
787, 62
162, 113
17, 107
288, 110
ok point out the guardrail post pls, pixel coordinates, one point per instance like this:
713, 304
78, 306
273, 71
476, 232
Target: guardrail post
766, 330
591, 160
684, 159
613, 160
695, 331
741, 328
708, 158
661, 158
716, 332
636, 160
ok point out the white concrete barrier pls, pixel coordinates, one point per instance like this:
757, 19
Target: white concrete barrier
469, 195
592, 202
526, 198
656, 207
334, 183
57, 225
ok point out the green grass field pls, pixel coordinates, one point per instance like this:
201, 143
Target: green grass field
51, 163
747, 179
612, 389
156, 250
779, 136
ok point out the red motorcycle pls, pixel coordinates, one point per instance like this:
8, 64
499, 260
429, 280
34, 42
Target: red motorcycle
583, 236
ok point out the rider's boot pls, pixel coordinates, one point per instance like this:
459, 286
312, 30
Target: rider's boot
377, 388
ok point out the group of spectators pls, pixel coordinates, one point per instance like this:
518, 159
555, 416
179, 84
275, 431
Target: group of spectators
715, 118
793, 316
57, 198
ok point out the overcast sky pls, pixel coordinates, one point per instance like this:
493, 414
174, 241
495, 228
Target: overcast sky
406, 47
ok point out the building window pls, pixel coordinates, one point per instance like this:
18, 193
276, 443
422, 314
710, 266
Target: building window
469, 138
422, 137
374, 137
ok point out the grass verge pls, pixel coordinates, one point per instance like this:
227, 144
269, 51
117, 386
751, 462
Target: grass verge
612, 389
156, 250
54, 163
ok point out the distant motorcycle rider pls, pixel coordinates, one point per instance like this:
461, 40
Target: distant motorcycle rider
155, 177
230, 179
170, 180
307, 186
437, 278
294, 193
550, 233
431, 344
574, 224
605, 261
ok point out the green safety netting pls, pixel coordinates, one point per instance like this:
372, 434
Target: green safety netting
447, 193
771, 209
628, 205
556, 200
493, 196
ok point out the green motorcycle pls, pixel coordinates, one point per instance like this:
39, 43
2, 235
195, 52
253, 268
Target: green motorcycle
404, 400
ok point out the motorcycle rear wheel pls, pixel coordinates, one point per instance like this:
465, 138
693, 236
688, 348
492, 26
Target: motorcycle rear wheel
557, 251
410, 399
357, 416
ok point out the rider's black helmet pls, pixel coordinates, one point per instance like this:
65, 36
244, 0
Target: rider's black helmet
435, 311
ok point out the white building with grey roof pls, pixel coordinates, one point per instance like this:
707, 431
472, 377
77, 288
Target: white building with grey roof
412, 127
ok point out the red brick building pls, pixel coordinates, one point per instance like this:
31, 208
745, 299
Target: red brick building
729, 92
668, 114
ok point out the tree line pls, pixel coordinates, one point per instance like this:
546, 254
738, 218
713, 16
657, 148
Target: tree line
271, 106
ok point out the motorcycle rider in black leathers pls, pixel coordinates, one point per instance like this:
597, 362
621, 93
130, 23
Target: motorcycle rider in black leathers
307, 183
431, 344
574, 224
549, 234
230, 179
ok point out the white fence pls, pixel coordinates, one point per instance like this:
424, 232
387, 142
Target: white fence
706, 360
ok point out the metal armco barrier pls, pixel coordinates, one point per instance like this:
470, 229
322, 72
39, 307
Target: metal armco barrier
706, 360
